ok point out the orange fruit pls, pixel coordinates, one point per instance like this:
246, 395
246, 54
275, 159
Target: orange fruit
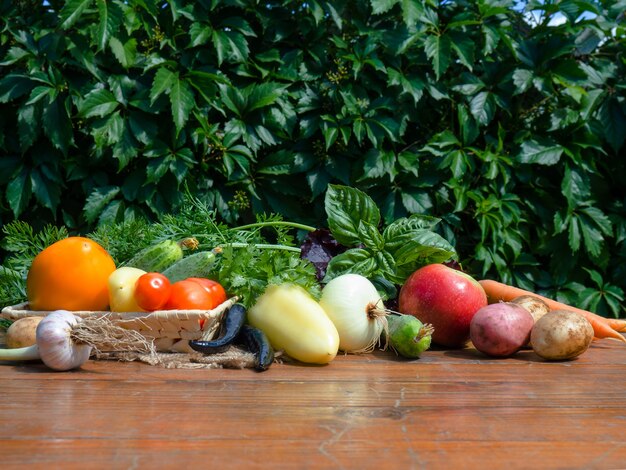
70, 274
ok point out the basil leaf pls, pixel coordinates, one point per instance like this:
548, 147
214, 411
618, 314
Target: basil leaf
370, 236
386, 263
418, 248
347, 207
406, 225
355, 261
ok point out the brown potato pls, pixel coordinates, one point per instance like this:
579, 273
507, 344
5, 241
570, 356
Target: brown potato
22, 332
561, 335
537, 307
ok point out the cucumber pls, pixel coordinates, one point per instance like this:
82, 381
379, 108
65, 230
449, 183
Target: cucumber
408, 336
196, 265
158, 257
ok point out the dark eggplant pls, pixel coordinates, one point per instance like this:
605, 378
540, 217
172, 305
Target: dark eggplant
232, 322
256, 342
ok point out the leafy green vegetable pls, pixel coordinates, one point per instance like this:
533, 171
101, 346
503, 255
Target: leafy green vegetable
404, 246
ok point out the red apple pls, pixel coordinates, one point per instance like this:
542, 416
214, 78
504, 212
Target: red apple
444, 297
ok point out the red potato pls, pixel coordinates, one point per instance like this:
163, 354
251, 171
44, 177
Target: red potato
501, 329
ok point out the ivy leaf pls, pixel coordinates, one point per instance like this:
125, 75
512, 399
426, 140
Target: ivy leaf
346, 207
413, 87
47, 191
205, 83
162, 83
109, 131
41, 92
263, 95
330, 133
99, 102
613, 121
523, 80
98, 200
412, 11
199, 34
72, 11
29, 125
437, 49
231, 46
382, 6
416, 201
19, 192
110, 16
126, 53
545, 152
57, 125
278, 163
317, 180
483, 107
126, 147
575, 186
182, 101
464, 48
13, 86
14, 54
378, 164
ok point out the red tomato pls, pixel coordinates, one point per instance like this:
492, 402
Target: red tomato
152, 291
214, 288
188, 295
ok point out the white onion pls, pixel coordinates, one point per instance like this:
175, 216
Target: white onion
354, 306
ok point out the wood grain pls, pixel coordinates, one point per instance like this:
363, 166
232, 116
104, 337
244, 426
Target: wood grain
449, 409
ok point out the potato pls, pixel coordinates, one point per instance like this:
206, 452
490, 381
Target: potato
500, 329
22, 332
537, 307
561, 335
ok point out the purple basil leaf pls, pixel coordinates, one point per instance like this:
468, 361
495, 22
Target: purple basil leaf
319, 248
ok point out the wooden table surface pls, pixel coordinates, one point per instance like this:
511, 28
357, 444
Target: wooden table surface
449, 409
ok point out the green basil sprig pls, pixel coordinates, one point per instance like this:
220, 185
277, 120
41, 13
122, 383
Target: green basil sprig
386, 257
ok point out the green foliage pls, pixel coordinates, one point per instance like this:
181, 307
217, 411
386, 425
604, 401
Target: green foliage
506, 126
404, 246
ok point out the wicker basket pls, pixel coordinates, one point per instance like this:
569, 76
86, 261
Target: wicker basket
168, 325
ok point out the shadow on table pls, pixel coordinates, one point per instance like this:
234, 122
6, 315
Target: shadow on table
469, 353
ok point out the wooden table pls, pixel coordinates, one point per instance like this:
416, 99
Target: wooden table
449, 409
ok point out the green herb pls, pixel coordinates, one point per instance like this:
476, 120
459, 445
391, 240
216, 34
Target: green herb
22, 245
254, 255
391, 255
248, 271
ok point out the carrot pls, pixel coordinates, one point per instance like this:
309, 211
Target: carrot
617, 325
498, 291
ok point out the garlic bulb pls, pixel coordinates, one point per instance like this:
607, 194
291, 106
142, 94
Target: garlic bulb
55, 346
